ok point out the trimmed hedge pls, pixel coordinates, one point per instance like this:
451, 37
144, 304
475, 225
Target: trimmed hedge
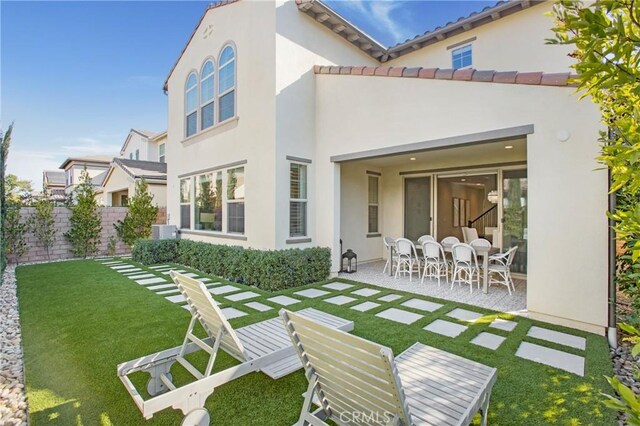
270, 270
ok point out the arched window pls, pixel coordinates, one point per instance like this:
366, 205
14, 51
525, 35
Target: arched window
191, 104
207, 95
226, 84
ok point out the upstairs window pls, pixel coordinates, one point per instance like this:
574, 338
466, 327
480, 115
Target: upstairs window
131, 156
226, 84
207, 97
161, 155
191, 104
461, 57
137, 154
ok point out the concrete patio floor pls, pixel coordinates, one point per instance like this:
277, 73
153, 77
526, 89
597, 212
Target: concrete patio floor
497, 298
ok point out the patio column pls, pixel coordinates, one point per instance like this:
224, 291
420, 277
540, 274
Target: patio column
328, 211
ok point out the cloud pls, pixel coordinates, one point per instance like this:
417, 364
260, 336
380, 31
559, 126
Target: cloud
29, 165
382, 11
90, 145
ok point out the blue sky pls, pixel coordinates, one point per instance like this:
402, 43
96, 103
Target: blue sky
76, 76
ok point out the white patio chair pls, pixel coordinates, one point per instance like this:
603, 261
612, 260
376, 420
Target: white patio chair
450, 241
263, 346
424, 238
500, 265
469, 234
390, 242
480, 242
435, 264
350, 376
465, 265
407, 258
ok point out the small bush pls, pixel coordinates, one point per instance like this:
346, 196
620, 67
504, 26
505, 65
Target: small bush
152, 252
270, 270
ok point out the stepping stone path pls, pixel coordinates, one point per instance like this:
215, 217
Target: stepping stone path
389, 298
190, 275
488, 340
174, 270
258, 306
399, 315
365, 292
311, 293
337, 286
156, 280
421, 305
231, 313
159, 266
339, 300
118, 267
558, 337
242, 296
283, 300
178, 298
551, 357
366, 306
161, 286
503, 324
205, 280
140, 276
175, 290
464, 315
445, 328
112, 262
223, 289
131, 271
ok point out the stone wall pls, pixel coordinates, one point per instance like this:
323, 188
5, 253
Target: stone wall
62, 249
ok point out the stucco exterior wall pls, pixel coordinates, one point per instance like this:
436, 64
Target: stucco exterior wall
515, 42
567, 281
137, 142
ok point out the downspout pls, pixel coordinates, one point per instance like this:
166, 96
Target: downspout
612, 331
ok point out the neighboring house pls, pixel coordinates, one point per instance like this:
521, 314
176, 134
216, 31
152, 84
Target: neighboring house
53, 185
96, 165
290, 127
120, 182
144, 145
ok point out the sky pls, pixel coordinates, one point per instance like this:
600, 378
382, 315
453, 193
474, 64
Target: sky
76, 76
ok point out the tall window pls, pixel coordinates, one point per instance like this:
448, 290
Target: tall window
235, 200
185, 203
209, 202
461, 57
373, 204
161, 155
191, 104
137, 154
131, 156
206, 95
226, 84
298, 200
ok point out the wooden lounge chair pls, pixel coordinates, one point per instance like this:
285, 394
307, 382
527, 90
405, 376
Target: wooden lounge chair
358, 382
263, 346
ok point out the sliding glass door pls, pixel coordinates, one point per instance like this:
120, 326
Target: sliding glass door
417, 207
514, 213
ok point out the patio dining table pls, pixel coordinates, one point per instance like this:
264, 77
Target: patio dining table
483, 252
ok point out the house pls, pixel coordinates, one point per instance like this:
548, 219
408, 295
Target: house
142, 157
53, 185
290, 127
96, 166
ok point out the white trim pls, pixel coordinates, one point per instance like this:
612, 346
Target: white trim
211, 75
304, 201
187, 112
221, 65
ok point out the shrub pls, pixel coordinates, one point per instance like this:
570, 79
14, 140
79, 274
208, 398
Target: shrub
151, 252
43, 225
270, 270
141, 215
85, 220
14, 232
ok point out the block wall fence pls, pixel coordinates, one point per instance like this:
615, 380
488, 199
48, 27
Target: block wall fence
62, 249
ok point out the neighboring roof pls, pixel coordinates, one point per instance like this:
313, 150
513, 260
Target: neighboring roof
467, 74
106, 159
331, 19
57, 195
159, 136
144, 133
150, 170
214, 5
54, 177
99, 178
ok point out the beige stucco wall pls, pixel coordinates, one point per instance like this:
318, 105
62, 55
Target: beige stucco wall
515, 42
120, 181
567, 279
137, 142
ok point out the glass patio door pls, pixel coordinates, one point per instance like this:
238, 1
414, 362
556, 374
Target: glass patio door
417, 207
514, 216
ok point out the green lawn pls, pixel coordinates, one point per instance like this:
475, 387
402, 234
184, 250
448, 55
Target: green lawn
80, 319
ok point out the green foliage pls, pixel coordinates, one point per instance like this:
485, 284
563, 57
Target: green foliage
627, 402
111, 246
42, 224
265, 269
85, 220
141, 215
18, 192
14, 231
153, 252
4, 154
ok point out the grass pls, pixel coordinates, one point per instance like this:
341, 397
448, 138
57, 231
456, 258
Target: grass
80, 319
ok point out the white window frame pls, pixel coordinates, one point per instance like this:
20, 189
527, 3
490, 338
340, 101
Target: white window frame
468, 46
232, 88
188, 203
187, 112
304, 201
162, 156
227, 201
372, 204
201, 102
137, 154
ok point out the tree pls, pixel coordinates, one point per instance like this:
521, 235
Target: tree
141, 215
85, 220
18, 192
14, 231
42, 224
4, 154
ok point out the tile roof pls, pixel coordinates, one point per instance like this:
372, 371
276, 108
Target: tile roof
468, 74
106, 159
151, 170
98, 179
326, 16
57, 195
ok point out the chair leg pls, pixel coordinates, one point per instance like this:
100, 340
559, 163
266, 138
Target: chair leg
484, 410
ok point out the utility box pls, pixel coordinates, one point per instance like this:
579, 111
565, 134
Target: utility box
164, 232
